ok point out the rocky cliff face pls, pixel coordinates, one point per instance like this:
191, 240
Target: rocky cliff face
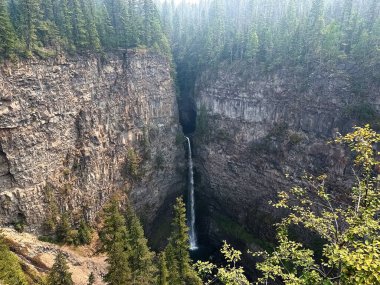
255, 129
74, 130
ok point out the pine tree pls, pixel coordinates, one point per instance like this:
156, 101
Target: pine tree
167, 18
29, 10
252, 44
162, 270
177, 252
59, 274
115, 239
134, 24
7, 34
65, 24
84, 233
215, 37
314, 31
105, 29
63, 228
93, 42
141, 258
80, 37
47, 31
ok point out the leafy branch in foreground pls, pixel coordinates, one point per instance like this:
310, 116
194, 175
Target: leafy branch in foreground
351, 253
230, 274
349, 228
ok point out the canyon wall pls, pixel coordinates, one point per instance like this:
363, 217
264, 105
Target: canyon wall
258, 131
75, 130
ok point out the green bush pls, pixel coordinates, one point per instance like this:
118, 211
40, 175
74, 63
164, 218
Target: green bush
84, 233
10, 267
133, 164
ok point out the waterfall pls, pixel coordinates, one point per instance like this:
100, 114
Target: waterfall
192, 234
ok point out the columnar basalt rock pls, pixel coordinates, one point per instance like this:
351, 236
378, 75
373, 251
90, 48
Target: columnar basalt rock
261, 131
67, 125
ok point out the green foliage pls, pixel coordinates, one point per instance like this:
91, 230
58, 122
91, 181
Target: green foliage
351, 254
141, 258
63, 230
52, 212
163, 273
230, 274
59, 273
129, 257
7, 33
84, 233
46, 27
133, 164
115, 236
303, 36
10, 268
177, 251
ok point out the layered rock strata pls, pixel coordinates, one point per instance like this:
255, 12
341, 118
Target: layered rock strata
259, 132
75, 130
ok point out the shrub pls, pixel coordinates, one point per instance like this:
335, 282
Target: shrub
84, 233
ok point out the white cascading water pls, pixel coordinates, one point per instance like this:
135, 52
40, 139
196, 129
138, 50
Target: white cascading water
192, 234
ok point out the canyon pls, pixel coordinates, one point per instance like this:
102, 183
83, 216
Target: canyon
72, 129
76, 130
258, 132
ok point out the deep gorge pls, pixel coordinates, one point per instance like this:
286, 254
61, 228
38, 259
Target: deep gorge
111, 110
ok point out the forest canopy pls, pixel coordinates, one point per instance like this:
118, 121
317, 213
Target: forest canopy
272, 34
49, 27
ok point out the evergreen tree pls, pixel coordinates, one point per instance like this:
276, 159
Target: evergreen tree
177, 251
105, 28
84, 233
252, 45
162, 270
63, 229
29, 10
315, 31
141, 258
167, 24
88, 8
7, 34
65, 24
78, 24
331, 49
214, 42
59, 274
134, 23
47, 31
115, 239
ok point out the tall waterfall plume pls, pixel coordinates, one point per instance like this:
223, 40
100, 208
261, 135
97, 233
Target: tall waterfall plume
192, 233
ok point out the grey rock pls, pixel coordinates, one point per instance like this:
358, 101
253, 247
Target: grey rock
69, 123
